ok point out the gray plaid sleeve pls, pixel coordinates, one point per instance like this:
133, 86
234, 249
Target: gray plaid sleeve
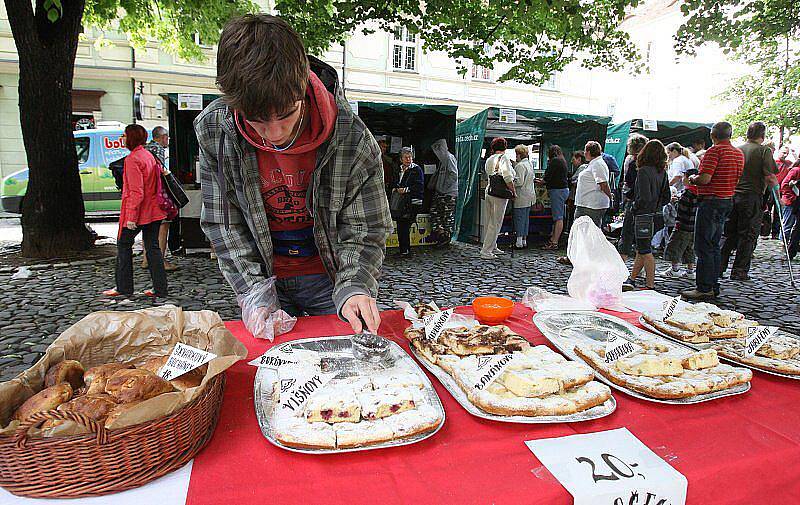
363, 224
235, 247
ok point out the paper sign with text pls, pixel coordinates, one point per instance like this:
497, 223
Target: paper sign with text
436, 323
617, 347
508, 116
757, 336
610, 468
297, 388
184, 358
190, 101
285, 354
670, 306
490, 368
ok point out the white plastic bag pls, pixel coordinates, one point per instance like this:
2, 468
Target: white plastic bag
598, 271
541, 300
261, 312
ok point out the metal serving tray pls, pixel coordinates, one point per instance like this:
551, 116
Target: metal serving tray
455, 390
706, 345
337, 355
590, 326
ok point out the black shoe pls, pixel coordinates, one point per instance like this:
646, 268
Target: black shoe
697, 295
629, 285
739, 276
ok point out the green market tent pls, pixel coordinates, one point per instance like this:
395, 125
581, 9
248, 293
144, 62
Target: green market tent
683, 132
569, 131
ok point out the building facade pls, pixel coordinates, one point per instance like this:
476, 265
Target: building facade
387, 67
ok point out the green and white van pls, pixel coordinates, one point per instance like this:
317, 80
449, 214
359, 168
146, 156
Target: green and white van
96, 148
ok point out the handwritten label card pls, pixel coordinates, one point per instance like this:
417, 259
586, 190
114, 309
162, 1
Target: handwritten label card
283, 355
184, 358
617, 347
670, 306
297, 388
757, 336
436, 323
610, 467
490, 368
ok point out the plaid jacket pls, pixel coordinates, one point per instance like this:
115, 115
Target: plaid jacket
346, 198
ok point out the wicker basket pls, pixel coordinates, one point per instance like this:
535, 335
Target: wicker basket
106, 461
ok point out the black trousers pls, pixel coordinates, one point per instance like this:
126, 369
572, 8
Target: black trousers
155, 262
741, 232
404, 234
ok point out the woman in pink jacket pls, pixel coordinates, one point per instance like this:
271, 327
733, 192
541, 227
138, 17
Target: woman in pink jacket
791, 216
139, 212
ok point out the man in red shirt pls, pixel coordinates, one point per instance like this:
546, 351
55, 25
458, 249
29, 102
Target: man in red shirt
719, 173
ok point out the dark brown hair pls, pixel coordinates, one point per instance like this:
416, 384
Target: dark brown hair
653, 154
593, 148
580, 156
262, 67
554, 152
756, 130
498, 144
135, 136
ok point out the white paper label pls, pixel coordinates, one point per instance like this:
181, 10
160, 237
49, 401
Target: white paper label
190, 101
184, 358
610, 467
490, 368
650, 125
297, 389
396, 144
670, 306
508, 116
353, 106
757, 336
435, 324
285, 354
617, 347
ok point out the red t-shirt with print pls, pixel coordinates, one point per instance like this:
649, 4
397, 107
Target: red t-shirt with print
286, 175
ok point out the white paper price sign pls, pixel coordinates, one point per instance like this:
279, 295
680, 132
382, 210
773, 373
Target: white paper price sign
436, 323
508, 116
610, 468
670, 306
757, 336
277, 357
617, 347
297, 389
490, 368
184, 358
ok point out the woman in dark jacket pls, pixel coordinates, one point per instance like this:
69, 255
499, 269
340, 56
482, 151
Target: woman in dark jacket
650, 194
410, 180
555, 178
636, 143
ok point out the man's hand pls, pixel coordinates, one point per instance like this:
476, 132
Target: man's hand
364, 306
130, 225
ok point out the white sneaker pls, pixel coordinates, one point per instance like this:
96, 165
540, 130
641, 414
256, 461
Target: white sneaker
489, 256
669, 272
497, 250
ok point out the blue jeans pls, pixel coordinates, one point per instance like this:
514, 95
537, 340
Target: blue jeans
521, 221
711, 216
306, 295
788, 219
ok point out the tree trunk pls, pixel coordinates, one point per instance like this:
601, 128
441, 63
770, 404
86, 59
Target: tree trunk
52, 209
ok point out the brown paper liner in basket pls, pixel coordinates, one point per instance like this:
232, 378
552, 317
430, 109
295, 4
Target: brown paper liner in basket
107, 461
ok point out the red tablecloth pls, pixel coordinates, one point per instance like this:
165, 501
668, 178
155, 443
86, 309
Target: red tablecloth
743, 449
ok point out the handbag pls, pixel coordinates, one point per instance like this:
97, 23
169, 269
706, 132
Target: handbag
497, 185
164, 201
174, 190
400, 205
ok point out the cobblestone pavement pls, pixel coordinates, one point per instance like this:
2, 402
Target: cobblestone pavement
34, 311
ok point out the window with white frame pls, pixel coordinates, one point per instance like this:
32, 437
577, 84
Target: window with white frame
481, 73
404, 50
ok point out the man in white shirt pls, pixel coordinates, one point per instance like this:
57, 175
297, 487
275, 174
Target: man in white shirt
593, 194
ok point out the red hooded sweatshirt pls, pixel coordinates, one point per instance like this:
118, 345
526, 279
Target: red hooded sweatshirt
285, 176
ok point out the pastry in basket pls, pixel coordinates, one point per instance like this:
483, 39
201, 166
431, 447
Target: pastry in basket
46, 399
190, 379
66, 371
97, 376
136, 385
661, 372
95, 407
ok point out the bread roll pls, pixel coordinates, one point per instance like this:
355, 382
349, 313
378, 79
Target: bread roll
97, 376
95, 407
127, 386
67, 371
46, 399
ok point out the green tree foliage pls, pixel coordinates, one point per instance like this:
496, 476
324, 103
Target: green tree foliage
764, 34
535, 37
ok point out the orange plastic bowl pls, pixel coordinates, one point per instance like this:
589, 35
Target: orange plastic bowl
492, 309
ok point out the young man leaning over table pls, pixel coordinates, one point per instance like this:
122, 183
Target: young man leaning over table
292, 182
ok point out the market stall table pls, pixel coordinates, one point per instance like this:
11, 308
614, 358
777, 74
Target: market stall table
737, 450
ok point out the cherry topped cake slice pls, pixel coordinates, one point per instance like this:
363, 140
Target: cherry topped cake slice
385, 402
333, 406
